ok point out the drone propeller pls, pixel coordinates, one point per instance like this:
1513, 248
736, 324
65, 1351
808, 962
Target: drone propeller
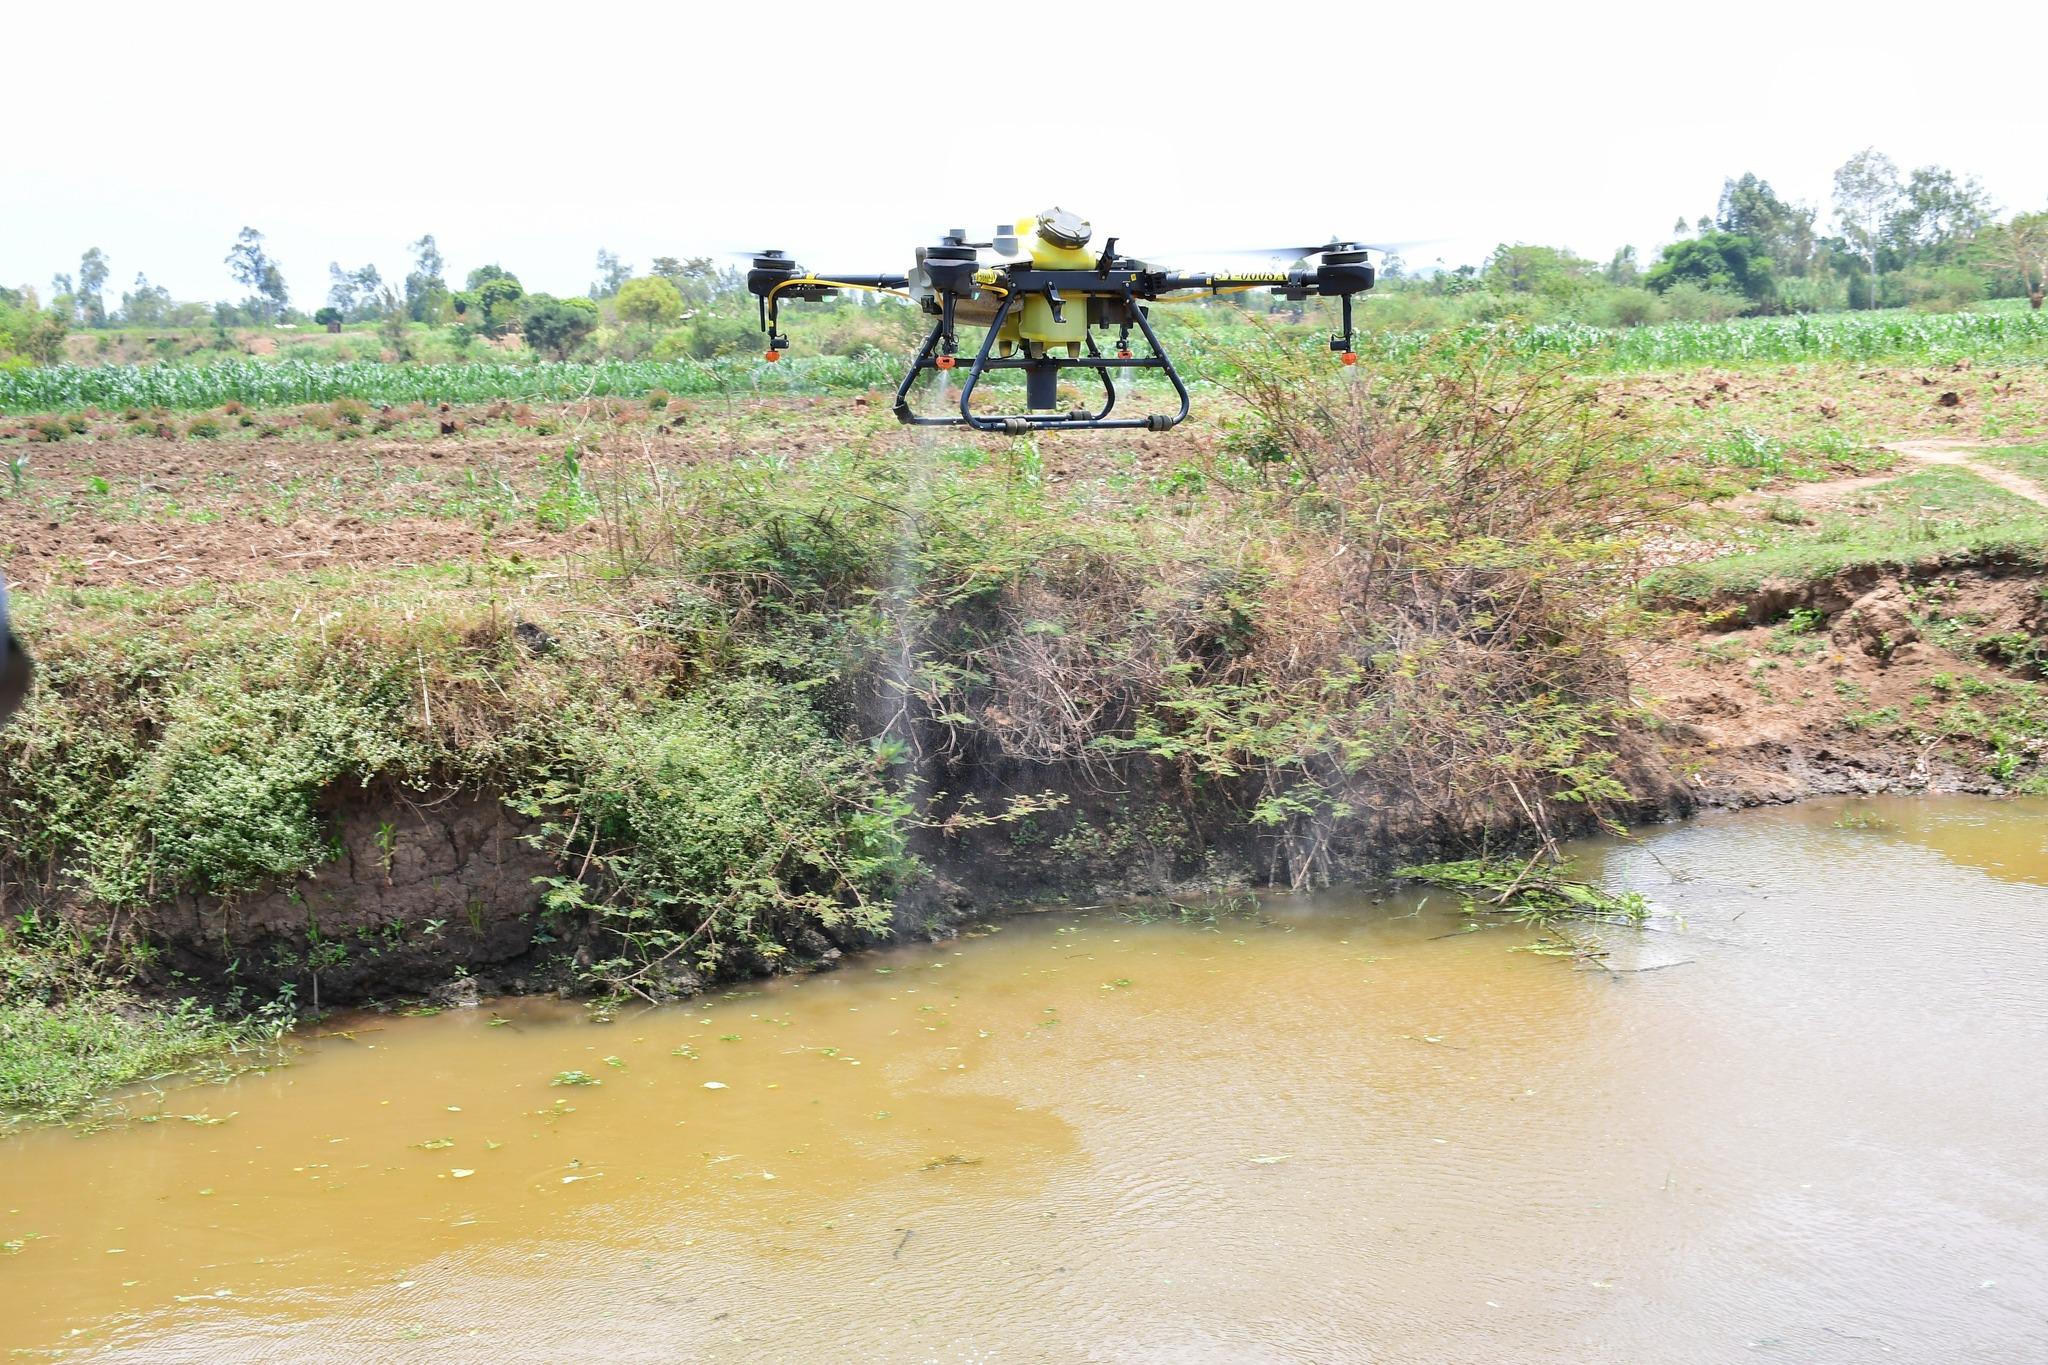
1324, 248
1302, 253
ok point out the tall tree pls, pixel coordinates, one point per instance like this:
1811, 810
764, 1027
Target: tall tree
697, 279
491, 303
648, 303
92, 280
1523, 269
148, 305
2021, 248
253, 269
354, 293
1715, 260
612, 274
1784, 232
341, 289
424, 286
1938, 213
553, 327
1866, 197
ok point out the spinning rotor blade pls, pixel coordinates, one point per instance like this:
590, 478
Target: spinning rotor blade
1302, 253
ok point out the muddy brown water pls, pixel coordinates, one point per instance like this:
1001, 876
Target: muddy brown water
1818, 1130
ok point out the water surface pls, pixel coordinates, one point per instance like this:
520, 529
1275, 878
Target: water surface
1803, 1117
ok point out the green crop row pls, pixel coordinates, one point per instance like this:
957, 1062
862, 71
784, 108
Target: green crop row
1937, 338
275, 384
1856, 337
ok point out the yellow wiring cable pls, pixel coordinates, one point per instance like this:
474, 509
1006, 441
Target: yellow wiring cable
833, 284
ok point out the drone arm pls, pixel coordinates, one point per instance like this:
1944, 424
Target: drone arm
1339, 277
814, 287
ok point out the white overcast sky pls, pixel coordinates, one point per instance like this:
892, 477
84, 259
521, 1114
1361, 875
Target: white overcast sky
532, 136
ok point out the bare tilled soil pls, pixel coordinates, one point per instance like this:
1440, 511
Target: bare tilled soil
155, 515
166, 513
1832, 687
170, 555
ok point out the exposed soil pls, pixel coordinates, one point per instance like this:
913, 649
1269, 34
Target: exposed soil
1761, 713
154, 513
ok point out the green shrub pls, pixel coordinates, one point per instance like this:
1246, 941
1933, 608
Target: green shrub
164, 767
723, 824
203, 428
1627, 308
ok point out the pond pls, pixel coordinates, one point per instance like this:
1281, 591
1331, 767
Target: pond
1802, 1115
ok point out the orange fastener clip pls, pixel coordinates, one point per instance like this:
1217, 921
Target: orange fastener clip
944, 362
773, 355
1349, 357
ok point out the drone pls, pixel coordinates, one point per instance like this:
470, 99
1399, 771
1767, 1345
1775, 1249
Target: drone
1041, 304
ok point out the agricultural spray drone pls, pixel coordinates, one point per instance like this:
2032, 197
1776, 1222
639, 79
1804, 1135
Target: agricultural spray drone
1041, 304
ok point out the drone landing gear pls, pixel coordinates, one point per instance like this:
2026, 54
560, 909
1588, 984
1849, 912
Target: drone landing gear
1041, 381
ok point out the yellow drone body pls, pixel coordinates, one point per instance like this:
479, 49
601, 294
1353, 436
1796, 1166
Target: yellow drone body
1039, 308
1057, 240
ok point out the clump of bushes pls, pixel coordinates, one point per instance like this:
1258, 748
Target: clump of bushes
725, 825
202, 756
203, 428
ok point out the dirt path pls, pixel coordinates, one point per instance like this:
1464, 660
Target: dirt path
1957, 453
1919, 455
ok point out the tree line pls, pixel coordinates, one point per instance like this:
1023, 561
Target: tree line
1928, 238
1931, 238
491, 303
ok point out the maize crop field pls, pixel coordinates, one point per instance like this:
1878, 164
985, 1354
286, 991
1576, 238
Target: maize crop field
1852, 338
257, 383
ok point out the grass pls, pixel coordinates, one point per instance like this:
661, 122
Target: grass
71, 1033
1939, 516
2030, 461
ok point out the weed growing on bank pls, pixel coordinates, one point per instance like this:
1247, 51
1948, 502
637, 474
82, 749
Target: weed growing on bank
71, 1032
722, 827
